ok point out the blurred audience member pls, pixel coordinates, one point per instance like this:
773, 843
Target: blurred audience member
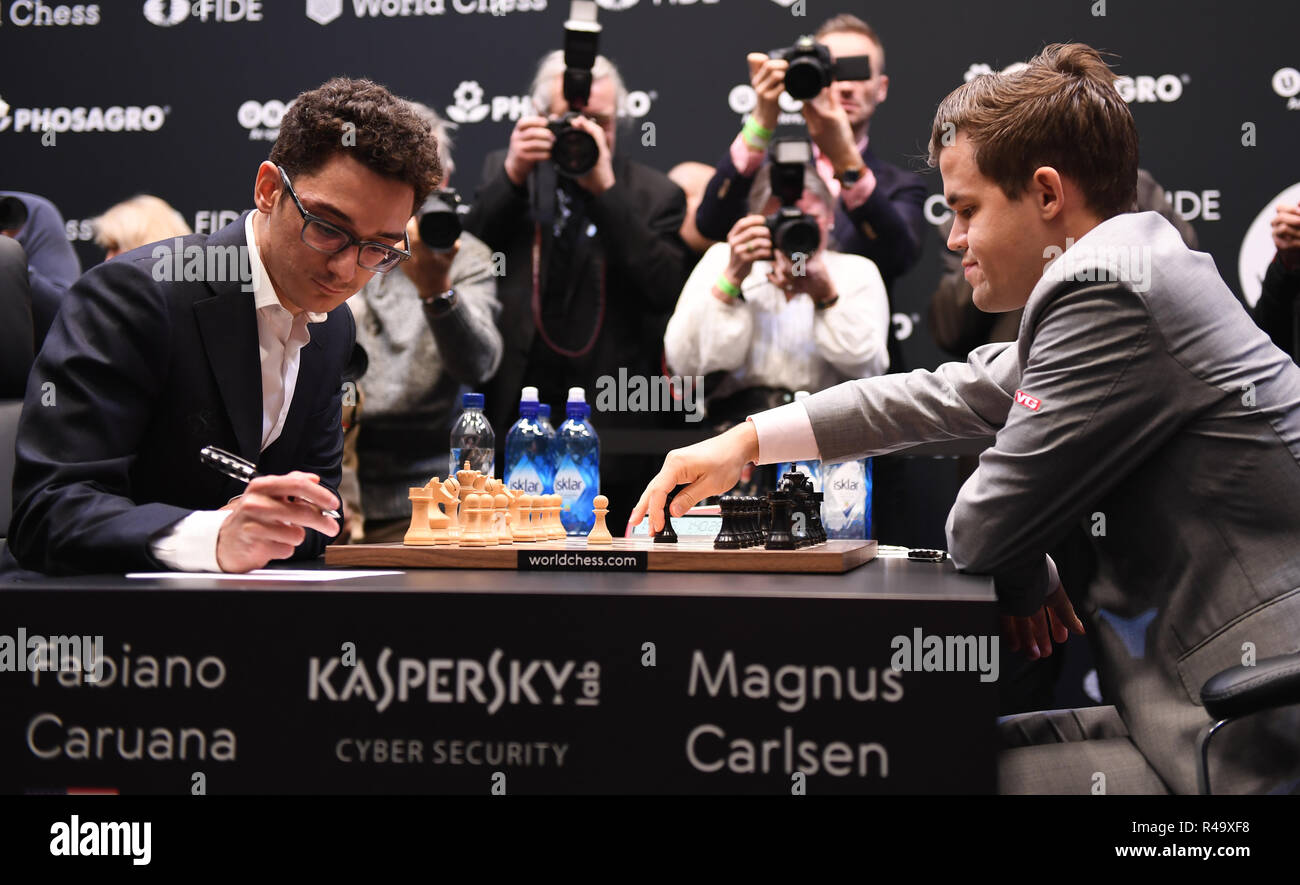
878, 205
774, 325
426, 329
16, 338
1275, 312
51, 264
692, 178
137, 222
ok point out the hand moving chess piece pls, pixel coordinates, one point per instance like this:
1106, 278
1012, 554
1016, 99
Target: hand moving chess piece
668, 535
599, 532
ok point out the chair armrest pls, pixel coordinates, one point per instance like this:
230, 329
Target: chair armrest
1240, 691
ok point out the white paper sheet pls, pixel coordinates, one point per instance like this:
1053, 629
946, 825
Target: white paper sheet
264, 574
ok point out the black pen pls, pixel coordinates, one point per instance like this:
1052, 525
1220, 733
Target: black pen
237, 468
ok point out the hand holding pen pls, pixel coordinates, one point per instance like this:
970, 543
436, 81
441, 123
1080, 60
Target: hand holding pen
270, 519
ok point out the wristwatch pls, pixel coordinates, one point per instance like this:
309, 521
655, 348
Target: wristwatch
850, 177
442, 304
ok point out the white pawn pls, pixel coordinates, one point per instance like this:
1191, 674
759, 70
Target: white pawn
558, 532
600, 532
501, 518
471, 527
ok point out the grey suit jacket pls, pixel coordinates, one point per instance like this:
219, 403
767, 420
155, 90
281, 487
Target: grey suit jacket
1142, 403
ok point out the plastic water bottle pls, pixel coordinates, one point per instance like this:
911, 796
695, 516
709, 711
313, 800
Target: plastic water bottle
544, 419
472, 439
577, 466
527, 448
813, 469
846, 508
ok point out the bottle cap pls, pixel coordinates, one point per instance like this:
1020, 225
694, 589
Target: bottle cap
800, 394
472, 400
528, 395
577, 395
544, 410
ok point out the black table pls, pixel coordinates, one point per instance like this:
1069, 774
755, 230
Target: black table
471, 682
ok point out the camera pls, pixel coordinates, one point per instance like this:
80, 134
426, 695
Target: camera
13, 213
575, 152
812, 69
440, 217
793, 230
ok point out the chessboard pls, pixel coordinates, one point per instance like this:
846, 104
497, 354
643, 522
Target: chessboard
691, 553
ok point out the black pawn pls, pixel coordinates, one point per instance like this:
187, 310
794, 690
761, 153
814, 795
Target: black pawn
764, 517
754, 533
779, 537
667, 535
729, 536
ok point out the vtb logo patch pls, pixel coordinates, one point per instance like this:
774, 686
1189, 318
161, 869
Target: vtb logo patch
1029, 402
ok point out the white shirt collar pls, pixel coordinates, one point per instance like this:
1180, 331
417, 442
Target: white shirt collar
263, 292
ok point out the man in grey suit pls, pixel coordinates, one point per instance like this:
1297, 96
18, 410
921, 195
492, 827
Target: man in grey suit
1139, 401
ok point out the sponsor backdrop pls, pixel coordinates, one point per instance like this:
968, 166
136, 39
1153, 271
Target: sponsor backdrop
103, 100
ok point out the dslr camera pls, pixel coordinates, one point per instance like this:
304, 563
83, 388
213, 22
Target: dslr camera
812, 69
575, 152
793, 230
440, 219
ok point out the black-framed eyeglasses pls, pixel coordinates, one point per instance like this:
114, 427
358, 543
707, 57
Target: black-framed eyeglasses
329, 238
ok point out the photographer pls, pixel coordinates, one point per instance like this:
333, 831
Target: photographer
1275, 312
878, 205
747, 312
593, 263
427, 329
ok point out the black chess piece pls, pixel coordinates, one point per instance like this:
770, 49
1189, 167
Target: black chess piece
753, 533
730, 535
818, 530
667, 535
779, 537
764, 517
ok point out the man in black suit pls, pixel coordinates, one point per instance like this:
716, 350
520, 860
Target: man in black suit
232, 340
593, 267
878, 205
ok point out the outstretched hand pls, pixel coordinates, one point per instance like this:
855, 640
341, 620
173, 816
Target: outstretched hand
706, 468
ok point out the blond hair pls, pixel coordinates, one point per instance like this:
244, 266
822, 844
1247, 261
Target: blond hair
135, 222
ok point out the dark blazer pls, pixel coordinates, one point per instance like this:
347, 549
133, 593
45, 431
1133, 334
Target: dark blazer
888, 228
637, 248
1276, 310
135, 377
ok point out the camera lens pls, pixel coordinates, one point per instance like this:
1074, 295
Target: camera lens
440, 230
575, 152
805, 78
797, 234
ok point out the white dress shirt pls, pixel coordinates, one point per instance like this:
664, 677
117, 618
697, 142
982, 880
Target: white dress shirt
191, 544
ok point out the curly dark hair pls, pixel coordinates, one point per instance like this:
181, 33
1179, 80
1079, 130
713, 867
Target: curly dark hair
385, 134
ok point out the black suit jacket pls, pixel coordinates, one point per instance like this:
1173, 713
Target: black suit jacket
135, 377
888, 228
636, 247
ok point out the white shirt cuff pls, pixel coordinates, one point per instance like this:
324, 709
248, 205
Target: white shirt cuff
191, 544
785, 434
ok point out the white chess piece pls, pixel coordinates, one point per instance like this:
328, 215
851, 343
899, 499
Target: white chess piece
600, 532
